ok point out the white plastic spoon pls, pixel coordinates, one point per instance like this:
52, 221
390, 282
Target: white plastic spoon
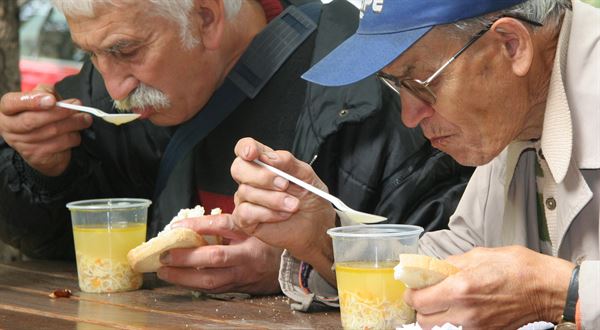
344, 211
113, 118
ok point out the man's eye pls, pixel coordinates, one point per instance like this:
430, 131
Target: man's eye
125, 54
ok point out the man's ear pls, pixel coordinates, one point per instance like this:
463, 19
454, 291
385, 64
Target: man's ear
517, 43
209, 18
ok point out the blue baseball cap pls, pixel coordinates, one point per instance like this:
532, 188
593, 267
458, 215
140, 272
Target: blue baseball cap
387, 29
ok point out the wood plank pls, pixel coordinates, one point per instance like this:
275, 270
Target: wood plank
17, 320
156, 305
98, 313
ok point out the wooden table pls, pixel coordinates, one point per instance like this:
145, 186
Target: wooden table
25, 304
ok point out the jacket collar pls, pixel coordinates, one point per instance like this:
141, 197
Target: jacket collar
557, 131
572, 115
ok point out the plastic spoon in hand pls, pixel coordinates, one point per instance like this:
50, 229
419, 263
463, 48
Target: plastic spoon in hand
353, 215
113, 118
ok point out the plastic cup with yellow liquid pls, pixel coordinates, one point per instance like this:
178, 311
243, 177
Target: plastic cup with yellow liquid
104, 231
365, 256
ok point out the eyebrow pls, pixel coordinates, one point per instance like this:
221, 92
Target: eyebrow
114, 48
408, 70
119, 45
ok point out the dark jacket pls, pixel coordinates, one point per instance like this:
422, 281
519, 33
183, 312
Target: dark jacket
363, 153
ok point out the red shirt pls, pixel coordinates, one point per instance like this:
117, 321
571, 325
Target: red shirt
272, 8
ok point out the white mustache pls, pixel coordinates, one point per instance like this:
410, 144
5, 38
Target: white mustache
143, 96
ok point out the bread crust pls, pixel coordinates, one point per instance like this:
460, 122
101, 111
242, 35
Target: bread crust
420, 271
145, 258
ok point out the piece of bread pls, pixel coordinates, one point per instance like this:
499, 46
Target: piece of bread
145, 258
420, 271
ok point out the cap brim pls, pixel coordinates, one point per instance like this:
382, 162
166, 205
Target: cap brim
360, 56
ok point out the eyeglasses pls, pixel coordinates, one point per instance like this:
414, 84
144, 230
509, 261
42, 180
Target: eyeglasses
421, 89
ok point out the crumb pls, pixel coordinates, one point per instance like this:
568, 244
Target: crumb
60, 293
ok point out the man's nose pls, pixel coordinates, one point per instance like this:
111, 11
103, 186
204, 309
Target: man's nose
414, 110
118, 80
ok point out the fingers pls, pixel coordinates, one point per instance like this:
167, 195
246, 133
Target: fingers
273, 200
247, 266
221, 224
437, 319
209, 256
249, 149
248, 216
432, 300
45, 148
246, 172
26, 130
13, 103
207, 280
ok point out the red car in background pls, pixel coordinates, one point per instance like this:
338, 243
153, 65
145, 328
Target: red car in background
47, 53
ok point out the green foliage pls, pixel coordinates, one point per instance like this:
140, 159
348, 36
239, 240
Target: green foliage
595, 3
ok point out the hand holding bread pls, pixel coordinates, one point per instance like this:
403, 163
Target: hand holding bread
420, 271
145, 258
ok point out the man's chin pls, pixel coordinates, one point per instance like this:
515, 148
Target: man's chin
470, 158
160, 119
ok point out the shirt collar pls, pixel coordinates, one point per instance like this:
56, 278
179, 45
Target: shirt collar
557, 131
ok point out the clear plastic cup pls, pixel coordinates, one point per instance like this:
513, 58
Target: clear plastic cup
104, 231
365, 256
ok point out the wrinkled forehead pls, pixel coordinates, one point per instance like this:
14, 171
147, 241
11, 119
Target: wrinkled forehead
92, 8
112, 26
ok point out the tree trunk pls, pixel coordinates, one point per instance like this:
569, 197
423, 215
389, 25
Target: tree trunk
9, 46
9, 74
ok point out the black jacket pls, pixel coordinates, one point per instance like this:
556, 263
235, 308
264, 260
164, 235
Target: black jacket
363, 153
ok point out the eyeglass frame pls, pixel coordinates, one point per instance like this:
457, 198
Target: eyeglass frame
396, 83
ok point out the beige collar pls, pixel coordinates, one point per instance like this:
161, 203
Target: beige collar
557, 131
572, 118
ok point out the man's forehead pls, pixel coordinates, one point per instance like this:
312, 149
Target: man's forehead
108, 28
429, 50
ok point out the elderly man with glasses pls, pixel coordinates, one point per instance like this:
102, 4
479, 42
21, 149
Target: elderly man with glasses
512, 86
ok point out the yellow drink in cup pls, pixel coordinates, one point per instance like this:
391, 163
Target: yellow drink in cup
365, 256
104, 230
102, 257
370, 297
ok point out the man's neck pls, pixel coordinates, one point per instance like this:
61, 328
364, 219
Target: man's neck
540, 82
249, 22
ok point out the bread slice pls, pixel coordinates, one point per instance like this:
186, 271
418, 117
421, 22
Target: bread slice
145, 258
420, 271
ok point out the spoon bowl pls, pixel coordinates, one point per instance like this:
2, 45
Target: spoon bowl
347, 214
113, 118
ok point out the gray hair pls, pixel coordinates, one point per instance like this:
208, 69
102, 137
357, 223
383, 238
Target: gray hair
547, 12
177, 11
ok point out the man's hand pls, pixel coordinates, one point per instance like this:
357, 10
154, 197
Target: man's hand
497, 288
280, 213
39, 131
244, 265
